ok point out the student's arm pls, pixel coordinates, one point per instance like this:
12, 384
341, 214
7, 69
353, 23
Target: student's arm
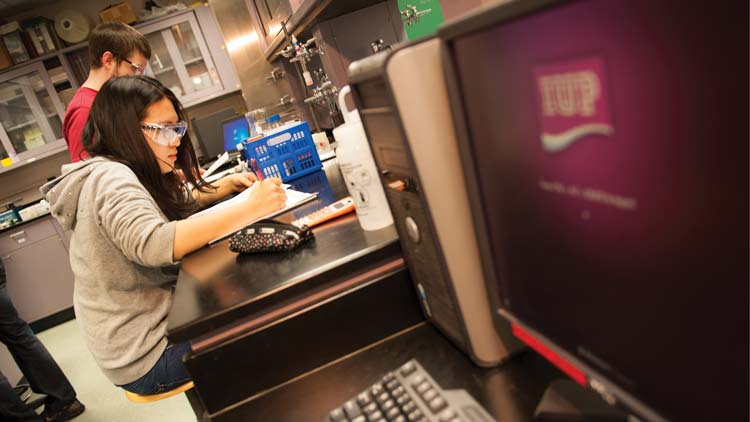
194, 233
233, 183
130, 217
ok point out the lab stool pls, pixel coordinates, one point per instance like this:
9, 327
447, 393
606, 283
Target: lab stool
187, 388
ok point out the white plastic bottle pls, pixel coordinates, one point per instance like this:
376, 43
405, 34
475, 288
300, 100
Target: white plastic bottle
359, 171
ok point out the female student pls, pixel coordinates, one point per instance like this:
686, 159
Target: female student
127, 207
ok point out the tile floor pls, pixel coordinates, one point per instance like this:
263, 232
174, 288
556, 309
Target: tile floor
105, 402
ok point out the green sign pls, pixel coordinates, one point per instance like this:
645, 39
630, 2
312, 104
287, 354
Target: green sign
421, 18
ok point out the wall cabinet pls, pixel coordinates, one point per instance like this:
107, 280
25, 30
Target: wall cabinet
188, 56
33, 99
271, 14
181, 60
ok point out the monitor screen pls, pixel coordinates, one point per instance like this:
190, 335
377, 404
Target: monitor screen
609, 145
236, 130
209, 130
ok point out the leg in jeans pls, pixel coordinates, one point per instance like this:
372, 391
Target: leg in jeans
32, 358
11, 406
168, 373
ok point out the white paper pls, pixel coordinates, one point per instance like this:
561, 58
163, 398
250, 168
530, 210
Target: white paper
294, 199
215, 166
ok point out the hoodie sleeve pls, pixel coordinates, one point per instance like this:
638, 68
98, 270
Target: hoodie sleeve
130, 216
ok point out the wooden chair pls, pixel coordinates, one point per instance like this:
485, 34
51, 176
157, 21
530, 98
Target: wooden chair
143, 398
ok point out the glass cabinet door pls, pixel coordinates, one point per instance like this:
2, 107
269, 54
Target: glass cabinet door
181, 60
198, 72
162, 67
3, 154
30, 112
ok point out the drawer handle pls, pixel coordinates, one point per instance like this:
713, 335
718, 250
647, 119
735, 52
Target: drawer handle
17, 236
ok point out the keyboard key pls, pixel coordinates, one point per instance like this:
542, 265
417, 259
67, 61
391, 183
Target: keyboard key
387, 405
421, 388
388, 377
398, 391
400, 400
382, 398
447, 415
392, 413
392, 385
374, 416
337, 415
376, 389
351, 409
419, 379
364, 399
408, 407
408, 368
360, 418
399, 418
437, 404
415, 416
429, 395
370, 407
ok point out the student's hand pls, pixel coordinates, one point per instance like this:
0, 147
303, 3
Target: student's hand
268, 196
239, 181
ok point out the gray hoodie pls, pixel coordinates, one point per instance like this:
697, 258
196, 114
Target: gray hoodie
120, 246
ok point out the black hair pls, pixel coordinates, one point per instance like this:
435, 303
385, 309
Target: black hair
117, 38
113, 130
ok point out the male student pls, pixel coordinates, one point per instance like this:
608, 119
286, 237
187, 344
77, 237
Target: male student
115, 49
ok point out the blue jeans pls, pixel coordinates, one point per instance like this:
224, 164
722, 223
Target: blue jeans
37, 365
168, 373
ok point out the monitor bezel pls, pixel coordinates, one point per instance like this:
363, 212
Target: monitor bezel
481, 19
230, 120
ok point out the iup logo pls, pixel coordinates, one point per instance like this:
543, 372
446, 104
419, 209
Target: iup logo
573, 102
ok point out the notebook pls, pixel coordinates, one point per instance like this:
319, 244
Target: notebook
294, 199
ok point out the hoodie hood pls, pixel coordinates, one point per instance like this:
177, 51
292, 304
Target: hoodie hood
63, 192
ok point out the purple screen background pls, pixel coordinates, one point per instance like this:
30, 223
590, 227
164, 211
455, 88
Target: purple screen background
654, 297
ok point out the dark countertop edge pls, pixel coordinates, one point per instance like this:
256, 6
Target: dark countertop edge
185, 332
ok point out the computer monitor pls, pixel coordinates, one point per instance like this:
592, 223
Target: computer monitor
210, 131
606, 148
236, 130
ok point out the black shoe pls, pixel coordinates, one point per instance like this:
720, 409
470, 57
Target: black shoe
68, 412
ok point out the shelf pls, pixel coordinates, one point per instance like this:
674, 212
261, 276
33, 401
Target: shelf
310, 13
20, 126
84, 44
164, 70
62, 148
195, 60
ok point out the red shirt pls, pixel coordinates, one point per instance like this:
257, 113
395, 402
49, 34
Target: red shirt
75, 120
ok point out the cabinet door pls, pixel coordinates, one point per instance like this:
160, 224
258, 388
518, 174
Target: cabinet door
30, 112
39, 278
181, 60
272, 13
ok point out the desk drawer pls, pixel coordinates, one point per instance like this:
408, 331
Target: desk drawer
25, 235
229, 373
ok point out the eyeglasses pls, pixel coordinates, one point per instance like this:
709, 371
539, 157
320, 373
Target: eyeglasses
167, 134
136, 68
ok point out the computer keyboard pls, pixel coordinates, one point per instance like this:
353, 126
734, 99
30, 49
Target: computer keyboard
409, 394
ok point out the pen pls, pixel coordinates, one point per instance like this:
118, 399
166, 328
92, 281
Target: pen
254, 167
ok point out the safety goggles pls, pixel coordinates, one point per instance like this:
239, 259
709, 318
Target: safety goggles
167, 134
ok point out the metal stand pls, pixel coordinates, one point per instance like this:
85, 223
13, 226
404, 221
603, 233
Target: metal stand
564, 400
